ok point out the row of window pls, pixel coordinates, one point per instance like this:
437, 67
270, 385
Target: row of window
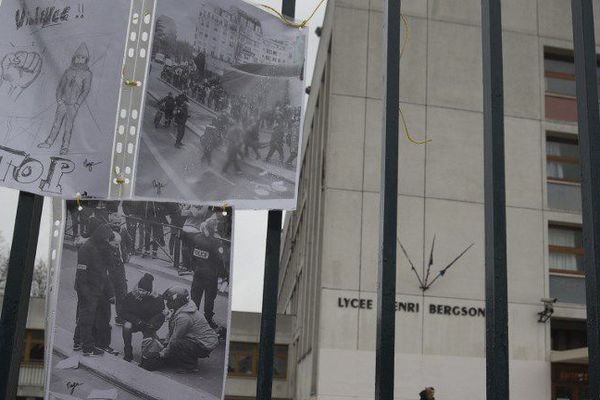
563, 188
243, 360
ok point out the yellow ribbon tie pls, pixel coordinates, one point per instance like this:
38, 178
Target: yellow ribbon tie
288, 22
78, 201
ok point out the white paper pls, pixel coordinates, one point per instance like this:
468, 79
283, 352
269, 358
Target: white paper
125, 275
108, 394
60, 77
240, 68
68, 363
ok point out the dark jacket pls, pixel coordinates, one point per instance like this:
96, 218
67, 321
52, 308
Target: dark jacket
94, 259
181, 114
132, 208
143, 307
168, 102
188, 324
207, 253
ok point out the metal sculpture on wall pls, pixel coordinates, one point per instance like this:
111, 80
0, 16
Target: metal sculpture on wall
424, 282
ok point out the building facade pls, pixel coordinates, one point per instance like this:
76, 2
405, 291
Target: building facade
330, 253
235, 37
31, 373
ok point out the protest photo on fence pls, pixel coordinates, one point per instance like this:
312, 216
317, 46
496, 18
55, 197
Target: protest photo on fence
222, 114
143, 302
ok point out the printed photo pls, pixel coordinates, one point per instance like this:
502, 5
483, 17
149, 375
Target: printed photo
60, 77
223, 106
143, 302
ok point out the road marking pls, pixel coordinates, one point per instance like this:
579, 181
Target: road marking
173, 177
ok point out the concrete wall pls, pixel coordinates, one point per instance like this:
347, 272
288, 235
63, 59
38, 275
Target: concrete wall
440, 195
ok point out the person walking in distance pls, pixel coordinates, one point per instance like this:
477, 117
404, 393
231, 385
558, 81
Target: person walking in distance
142, 312
72, 91
167, 104
276, 144
181, 116
427, 394
252, 138
233, 141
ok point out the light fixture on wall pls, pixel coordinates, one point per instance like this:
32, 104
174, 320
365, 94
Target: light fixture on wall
545, 315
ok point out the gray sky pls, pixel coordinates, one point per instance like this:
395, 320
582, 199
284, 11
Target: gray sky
250, 226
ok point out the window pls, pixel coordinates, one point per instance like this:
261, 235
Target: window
568, 334
33, 349
559, 74
563, 172
243, 360
562, 155
566, 249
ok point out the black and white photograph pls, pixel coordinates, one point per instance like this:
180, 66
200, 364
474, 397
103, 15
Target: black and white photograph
223, 106
143, 302
60, 78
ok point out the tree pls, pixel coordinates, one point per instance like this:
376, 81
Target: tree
165, 34
39, 283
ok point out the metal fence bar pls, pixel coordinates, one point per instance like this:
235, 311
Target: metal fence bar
18, 288
268, 323
496, 298
589, 148
386, 285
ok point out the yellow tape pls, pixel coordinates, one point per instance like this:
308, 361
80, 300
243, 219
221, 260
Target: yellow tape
132, 82
288, 22
78, 201
402, 117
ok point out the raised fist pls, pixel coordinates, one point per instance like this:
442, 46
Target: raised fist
19, 70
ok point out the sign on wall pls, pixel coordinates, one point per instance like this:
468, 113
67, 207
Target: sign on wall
217, 118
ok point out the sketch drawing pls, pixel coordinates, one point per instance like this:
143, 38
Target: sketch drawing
72, 90
19, 70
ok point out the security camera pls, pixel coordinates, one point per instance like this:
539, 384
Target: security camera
549, 300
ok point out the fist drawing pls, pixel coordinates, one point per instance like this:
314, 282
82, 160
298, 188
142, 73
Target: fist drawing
19, 70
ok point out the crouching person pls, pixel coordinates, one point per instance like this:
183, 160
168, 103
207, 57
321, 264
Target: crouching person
190, 335
142, 312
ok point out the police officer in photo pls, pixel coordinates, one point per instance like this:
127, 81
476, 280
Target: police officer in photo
167, 104
92, 285
181, 115
207, 264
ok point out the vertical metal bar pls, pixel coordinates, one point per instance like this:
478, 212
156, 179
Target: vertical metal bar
264, 380
268, 323
589, 149
18, 288
288, 8
386, 286
496, 298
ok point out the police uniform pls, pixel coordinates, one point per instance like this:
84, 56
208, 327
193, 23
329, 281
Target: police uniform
207, 262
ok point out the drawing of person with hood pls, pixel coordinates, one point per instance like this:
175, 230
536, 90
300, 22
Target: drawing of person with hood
72, 90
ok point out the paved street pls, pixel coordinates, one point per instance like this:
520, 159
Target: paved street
62, 379
180, 170
211, 370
